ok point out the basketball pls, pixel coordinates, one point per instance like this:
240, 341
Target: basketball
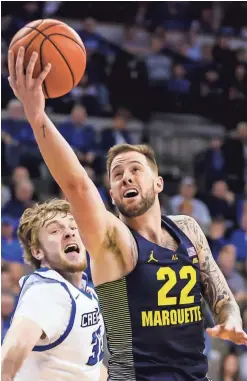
58, 44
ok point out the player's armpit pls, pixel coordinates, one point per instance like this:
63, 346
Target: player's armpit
215, 288
20, 339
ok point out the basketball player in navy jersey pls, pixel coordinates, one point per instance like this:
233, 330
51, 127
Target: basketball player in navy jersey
150, 271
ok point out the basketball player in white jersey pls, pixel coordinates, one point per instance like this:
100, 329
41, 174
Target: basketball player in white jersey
57, 328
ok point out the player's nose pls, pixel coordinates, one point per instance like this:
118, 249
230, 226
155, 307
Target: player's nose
127, 178
69, 233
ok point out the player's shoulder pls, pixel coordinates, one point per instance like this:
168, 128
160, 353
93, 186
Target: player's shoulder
189, 226
43, 283
183, 222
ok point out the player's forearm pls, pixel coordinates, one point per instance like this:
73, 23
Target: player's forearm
215, 288
217, 293
229, 311
11, 363
58, 155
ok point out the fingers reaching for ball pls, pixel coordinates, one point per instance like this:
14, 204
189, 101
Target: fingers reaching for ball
30, 69
43, 75
19, 68
18, 79
11, 65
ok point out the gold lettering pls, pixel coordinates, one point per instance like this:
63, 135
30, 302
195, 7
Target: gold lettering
181, 316
157, 318
191, 313
186, 315
147, 318
173, 315
165, 317
199, 313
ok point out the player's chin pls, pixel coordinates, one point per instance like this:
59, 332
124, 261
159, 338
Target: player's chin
132, 211
75, 264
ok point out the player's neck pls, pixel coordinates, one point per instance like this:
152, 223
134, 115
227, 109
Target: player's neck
73, 278
148, 225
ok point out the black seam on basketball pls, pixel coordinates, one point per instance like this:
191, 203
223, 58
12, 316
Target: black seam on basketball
28, 27
39, 32
47, 38
41, 67
36, 35
64, 35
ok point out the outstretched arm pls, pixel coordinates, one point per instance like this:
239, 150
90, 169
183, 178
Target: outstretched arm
21, 337
88, 208
215, 288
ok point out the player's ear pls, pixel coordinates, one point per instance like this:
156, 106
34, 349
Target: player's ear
38, 253
159, 184
113, 202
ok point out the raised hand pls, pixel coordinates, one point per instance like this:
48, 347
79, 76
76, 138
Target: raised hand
26, 88
229, 331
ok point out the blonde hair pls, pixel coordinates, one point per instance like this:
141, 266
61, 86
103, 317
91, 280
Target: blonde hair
140, 148
32, 220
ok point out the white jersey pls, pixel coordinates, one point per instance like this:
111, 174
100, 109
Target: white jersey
73, 324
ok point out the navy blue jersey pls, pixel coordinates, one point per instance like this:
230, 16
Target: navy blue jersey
153, 316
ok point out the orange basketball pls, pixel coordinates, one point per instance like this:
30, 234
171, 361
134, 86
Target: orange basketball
58, 44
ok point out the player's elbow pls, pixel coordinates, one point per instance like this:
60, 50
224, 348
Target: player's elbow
76, 183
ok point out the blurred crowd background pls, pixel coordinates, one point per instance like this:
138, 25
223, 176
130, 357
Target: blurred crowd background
170, 74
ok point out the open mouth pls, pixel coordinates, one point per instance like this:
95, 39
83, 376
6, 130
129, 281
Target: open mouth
130, 193
71, 248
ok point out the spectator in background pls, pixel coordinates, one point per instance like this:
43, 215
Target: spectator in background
6, 281
89, 35
5, 195
94, 96
178, 88
186, 207
206, 21
80, 135
117, 134
235, 164
11, 131
95, 93
7, 308
134, 42
178, 84
11, 249
207, 54
19, 174
223, 54
209, 165
198, 209
236, 283
211, 94
17, 270
239, 83
241, 55
239, 240
192, 47
23, 198
230, 370
216, 236
221, 202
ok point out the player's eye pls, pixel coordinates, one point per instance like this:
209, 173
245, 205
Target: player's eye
135, 169
74, 228
55, 231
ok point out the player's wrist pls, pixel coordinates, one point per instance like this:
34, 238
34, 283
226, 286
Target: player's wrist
35, 118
